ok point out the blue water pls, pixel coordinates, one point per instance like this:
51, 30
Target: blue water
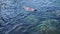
15, 20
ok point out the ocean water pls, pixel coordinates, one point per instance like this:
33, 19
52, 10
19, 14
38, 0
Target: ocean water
16, 20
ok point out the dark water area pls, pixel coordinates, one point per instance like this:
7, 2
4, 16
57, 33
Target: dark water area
16, 20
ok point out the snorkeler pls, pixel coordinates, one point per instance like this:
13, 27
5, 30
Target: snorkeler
29, 9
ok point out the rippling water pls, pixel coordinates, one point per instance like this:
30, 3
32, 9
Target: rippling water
15, 20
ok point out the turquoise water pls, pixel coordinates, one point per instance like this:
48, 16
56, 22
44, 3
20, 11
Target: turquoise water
16, 20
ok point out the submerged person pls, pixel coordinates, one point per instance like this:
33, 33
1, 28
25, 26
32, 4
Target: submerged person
29, 9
